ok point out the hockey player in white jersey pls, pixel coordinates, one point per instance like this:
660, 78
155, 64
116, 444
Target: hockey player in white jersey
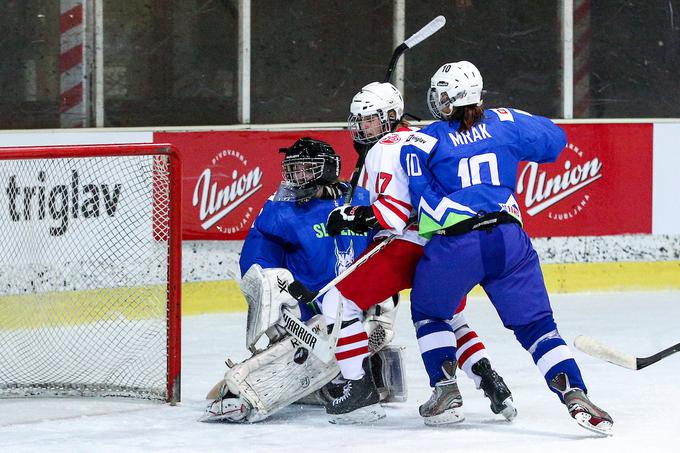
376, 118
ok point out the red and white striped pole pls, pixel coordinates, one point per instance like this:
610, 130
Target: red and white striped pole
73, 66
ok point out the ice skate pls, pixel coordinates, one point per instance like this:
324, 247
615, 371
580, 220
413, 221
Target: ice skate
581, 408
495, 389
445, 404
333, 390
359, 402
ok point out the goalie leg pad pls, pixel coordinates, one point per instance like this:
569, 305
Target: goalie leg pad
266, 292
379, 323
389, 374
281, 374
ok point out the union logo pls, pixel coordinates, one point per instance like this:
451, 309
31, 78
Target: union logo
543, 192
220, 189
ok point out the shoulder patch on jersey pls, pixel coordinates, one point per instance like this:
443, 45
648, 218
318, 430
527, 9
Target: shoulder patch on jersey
422, 141
390, 139
503, 114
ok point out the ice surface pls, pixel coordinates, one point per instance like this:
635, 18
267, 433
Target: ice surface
645, 404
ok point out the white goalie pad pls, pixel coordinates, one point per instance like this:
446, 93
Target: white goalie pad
270, 380
389, 375
379, 323
266, 292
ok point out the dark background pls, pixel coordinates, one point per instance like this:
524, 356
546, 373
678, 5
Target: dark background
174, 63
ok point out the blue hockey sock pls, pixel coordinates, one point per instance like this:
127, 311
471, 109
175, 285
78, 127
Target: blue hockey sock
549, 351
436, 341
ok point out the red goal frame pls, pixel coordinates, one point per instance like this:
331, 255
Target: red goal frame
174, 314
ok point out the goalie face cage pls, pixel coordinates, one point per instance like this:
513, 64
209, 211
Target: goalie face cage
90, 271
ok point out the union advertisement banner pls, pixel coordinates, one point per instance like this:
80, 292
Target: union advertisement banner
228, 175
601, 184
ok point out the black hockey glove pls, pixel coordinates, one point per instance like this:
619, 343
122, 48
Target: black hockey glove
359, 219
332, 191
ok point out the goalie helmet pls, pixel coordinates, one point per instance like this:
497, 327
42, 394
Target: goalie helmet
374, 112
454, 85
310, 163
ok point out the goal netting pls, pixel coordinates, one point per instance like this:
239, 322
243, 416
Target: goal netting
90, 271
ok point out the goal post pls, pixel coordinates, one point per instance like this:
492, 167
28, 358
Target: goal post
90, 271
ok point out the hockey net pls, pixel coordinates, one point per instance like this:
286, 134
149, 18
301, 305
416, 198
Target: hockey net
90, 271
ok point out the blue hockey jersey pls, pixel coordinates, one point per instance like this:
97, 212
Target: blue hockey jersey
293, 235
455, 176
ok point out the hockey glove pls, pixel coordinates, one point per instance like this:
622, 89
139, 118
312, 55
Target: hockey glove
332, 191
359, 219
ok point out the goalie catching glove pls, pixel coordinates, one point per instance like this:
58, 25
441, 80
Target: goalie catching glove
359, 219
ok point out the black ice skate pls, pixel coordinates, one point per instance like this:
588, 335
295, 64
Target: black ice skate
581, 408
445, 404
359, 402
332, 390
495, 389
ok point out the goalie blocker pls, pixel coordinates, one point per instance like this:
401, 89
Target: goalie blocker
285, 371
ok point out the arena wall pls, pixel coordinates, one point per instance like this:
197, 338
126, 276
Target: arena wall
628, 240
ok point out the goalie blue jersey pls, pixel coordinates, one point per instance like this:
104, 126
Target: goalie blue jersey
293, 235
454, 176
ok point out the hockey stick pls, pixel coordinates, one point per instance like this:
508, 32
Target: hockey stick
324, 349
421, 35
601, 351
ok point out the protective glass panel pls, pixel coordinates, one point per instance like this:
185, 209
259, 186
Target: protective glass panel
515, 44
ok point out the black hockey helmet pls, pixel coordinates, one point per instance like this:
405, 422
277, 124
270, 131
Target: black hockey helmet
310, 162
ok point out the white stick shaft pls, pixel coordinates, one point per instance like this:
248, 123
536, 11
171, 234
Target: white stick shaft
596, 349
425, 32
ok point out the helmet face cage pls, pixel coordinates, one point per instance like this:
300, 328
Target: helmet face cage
303, 171
309, 163
368, 129
435, 104
370, 109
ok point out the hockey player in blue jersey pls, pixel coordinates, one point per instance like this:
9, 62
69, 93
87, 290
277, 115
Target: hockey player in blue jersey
290, 231
289, 240
462, 173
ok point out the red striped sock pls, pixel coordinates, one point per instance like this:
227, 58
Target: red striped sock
351, 349
468, 351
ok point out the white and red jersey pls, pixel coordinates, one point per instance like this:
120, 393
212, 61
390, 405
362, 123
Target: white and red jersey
387, 183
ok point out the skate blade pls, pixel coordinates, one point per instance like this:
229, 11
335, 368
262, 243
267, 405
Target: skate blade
509, 411
368, 414
603, 428
448, 417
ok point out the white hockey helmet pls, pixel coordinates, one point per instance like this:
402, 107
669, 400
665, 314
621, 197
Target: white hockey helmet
454, 85
370, 109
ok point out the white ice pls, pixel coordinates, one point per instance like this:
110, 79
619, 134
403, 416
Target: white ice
645, 404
